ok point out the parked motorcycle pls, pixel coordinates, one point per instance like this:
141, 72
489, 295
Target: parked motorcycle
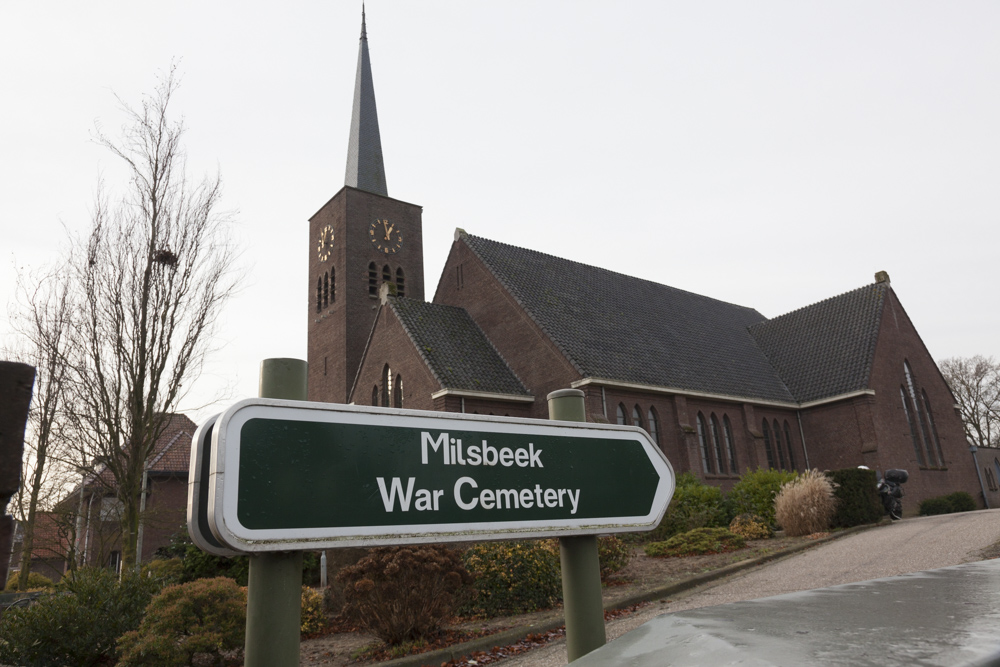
890, 491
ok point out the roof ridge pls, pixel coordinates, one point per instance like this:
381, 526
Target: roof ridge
879, 286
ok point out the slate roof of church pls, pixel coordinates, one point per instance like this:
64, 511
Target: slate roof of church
827, 348
617, 327
365, 166
455, 349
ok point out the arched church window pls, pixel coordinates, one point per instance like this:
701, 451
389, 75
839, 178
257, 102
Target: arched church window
386, 385
326, 289
651, 418
777, 445
791, 447
372, 279
707, 464
727, 433
319, 295
717, 444
375, 395
922, 430
386, 274
333, 285
767, 445
918, 450
934, 432
397, 393
400, 282
637, 417
621, 414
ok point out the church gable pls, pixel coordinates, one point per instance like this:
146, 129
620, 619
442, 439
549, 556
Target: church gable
617, 327
825, 349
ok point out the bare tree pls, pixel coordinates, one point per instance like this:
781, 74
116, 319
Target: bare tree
153, 275
975, 382
42, 319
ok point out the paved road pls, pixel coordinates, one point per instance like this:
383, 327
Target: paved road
910, 545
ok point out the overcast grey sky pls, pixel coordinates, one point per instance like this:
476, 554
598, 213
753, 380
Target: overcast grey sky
774, 153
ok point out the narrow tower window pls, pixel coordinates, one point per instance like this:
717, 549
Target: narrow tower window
319, 295
333, 284
386, 274
386, 385
326, 290
397, 393
372, 279
400, 282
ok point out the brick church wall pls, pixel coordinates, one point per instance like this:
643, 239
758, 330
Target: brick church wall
467, 283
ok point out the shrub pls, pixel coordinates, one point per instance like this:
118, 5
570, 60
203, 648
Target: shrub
313, 614
205, 617
79, 625
936, 505
168, 571
755, 493
199, 564
750, 527
403, 593
961, 502
513, 577
857, 497
693, 505
806, 504
697, 542
613, 555
35, 582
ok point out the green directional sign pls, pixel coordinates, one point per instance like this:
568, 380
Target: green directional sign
288, 475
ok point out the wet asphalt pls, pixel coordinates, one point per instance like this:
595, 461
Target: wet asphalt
910, 545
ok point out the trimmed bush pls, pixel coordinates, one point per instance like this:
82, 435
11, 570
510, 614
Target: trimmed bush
313, 614
936, 505
200, 564
806, 504
513, 577
80, 624
857, 497
755, 493
697, 542
693, 505
403, 593
613, 555
750, 527
35, 582
961, 502
168, 571
206, 618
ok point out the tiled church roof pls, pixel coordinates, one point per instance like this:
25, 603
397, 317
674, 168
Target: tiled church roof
618, 327
825, 349
455, 349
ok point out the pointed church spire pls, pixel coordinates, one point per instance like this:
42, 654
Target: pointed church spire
365, 169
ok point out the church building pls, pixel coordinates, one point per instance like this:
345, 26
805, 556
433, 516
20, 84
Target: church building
719, 387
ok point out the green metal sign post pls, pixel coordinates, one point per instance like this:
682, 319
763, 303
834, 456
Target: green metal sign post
274, 588
581, 568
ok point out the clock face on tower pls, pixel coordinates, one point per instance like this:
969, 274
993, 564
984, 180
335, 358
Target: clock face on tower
325, 245
386, 236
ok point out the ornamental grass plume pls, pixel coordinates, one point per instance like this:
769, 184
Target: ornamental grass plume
806, 504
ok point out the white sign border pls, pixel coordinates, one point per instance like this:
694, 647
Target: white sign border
225, 456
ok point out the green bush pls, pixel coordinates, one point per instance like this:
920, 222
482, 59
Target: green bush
750, 527
936, 505
693, 505
168, 571
35, 582
198, 564
697, 542
403, 593
961, 502
857, 497
205, 617
613, 555
755, 493
512, 577
79, 625
806, 504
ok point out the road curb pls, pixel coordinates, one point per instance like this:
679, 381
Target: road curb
435, 658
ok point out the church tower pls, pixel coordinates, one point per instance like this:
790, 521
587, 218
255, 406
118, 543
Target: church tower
357, 240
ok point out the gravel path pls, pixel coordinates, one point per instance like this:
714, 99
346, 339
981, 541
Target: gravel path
910, 545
